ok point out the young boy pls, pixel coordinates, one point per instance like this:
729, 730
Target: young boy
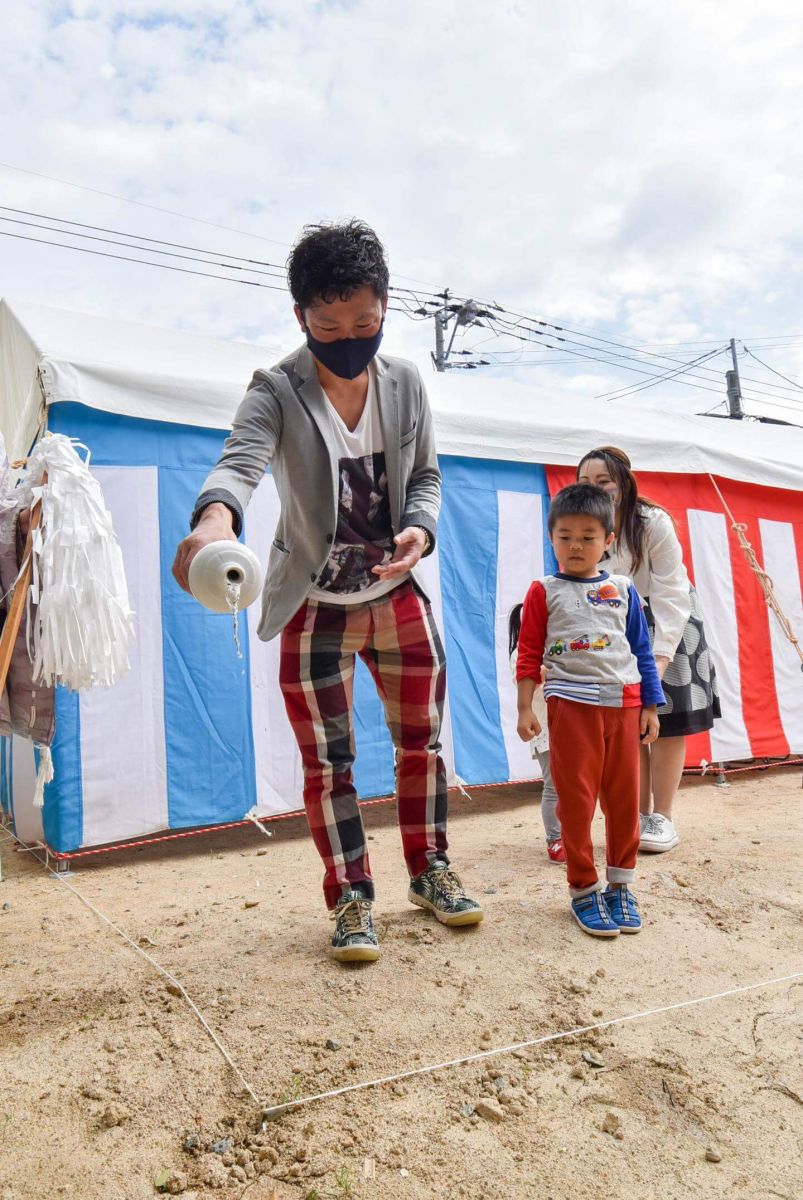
602, 688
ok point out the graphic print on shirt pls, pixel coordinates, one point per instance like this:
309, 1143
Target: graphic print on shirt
364, 537
584, 642
606, 593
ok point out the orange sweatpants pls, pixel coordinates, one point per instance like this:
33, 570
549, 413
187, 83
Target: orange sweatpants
594, 752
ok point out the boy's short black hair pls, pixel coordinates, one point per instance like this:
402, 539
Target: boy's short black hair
331, 261
583, 500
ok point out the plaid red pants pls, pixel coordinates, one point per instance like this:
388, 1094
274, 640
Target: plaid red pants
397, 639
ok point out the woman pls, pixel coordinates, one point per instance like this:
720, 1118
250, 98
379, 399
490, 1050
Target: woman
647, 549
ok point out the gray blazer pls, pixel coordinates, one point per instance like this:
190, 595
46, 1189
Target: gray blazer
283, 421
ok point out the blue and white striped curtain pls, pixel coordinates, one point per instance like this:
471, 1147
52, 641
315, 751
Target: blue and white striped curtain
195, 736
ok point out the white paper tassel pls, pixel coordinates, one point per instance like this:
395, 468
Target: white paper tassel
43, 775
80, 631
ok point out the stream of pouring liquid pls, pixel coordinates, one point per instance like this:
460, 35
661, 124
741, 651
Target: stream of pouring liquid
233, 601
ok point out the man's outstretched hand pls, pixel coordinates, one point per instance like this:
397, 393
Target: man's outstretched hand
213, 526
410, 545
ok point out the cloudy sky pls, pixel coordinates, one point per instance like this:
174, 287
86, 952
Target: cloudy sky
631, 172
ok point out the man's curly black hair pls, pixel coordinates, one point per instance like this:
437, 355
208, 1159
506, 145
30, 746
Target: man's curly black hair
583, 500
332, 260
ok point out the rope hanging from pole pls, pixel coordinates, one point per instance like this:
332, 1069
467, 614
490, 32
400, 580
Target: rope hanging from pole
764, 579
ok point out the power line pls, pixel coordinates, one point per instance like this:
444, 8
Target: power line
147, 249
141, 204
608, 342
620, 393
406, 297
274, 287
142, 261
276, 242
277, 272
646, 346
707, 372
156, 208
140, 237
596, 357
769, 368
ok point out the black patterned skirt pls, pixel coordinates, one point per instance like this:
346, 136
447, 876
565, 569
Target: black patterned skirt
690, 681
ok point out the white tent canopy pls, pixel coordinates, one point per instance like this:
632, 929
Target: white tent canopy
135, 370
152, 405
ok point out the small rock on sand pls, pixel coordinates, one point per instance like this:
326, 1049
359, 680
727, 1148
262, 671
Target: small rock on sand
490, 1110
611, 1124
115, 1114
712, 1154
172, 1182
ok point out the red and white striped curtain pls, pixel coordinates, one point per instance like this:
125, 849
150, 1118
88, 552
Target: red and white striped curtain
759, 672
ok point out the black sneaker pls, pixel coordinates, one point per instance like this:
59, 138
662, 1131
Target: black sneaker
354, 939
439, 889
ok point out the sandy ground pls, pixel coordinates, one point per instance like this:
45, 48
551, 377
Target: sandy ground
108, 1082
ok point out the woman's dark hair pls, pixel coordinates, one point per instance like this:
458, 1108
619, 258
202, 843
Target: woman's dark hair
582, 500
513, 627
331, 261
631, 504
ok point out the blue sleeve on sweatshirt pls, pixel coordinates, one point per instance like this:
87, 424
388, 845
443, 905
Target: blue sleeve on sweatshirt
639, 638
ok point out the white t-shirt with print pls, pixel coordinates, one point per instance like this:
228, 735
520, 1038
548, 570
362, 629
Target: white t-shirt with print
364, 536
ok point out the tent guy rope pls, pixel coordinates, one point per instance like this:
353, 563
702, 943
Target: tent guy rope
767, 586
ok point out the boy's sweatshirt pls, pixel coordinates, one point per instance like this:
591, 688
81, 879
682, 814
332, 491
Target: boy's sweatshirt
592, 636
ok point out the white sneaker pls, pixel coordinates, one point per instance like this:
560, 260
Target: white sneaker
658, 834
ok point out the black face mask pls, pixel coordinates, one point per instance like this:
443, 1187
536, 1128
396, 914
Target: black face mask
346, 357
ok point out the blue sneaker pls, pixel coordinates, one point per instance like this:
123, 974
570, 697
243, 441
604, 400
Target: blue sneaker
591, 914
623, 907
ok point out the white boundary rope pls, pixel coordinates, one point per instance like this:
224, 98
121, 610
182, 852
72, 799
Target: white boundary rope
271, 1112
279, 1109
162, 970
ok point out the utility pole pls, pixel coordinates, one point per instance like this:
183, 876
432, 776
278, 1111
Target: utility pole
734, 385
441, 321
467, 313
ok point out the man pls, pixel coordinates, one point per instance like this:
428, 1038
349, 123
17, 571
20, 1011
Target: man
349, 440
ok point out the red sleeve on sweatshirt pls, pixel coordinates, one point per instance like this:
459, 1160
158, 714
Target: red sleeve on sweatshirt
532, 638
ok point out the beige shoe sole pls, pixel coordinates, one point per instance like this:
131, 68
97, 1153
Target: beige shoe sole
355, 953
470, 917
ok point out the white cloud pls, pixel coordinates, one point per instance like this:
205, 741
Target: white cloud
629, 170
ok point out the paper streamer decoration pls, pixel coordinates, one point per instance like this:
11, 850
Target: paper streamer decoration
80, 623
